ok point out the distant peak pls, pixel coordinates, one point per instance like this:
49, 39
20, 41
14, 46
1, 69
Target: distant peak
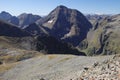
4, 12
5, 15
24, 14
30, 14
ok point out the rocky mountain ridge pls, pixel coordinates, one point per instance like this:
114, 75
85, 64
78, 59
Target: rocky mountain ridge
7, 29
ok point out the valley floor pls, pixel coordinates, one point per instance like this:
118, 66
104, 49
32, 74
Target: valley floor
52, 67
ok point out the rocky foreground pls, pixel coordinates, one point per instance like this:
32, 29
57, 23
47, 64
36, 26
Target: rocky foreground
65, 67
107, 70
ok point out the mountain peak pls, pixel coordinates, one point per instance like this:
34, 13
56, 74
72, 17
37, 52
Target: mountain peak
4, 12
5, 15
61, 6
66, 24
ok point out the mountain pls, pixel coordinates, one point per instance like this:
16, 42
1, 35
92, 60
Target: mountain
5, 16
7, 29
32, 37
21, 21
105, 38
66, 24
26, 19
13, 37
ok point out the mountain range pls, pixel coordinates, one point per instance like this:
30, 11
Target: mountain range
64, 30
63, 45
21, 21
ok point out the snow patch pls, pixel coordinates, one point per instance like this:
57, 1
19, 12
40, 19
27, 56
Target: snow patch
68, 34
50, 21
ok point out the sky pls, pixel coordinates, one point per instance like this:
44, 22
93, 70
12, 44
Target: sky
43, 7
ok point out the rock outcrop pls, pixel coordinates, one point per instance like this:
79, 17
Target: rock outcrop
107, 70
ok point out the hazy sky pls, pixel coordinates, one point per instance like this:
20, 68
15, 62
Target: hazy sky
43, 7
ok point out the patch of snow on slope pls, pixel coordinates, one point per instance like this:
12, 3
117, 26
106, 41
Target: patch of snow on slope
50, 21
